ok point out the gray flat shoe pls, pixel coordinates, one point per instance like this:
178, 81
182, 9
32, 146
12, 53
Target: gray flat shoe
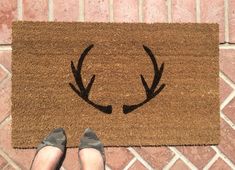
90, 140
57, 138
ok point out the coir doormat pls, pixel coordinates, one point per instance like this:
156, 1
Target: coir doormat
134, 84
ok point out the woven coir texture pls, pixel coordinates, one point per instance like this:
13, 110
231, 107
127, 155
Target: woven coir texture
185, 112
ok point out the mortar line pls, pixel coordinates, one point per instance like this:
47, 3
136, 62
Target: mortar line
183, 158
169, 9
224, 157
211, 162
19, 10
7, 72
140, 158
227, 46
227, 80
110, 10
130, 163
9, 160
50, 10
227, 100
5, 47
171, 163
227, 120
7, 75
107, 167
62, 168
81, 11
5, 121
226, 23
140, 10
198, 11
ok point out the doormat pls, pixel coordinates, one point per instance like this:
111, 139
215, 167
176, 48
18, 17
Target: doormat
133, 83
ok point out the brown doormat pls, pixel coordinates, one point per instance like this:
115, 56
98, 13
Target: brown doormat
134, 84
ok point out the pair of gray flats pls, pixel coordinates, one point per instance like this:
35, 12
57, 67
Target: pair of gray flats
57, 138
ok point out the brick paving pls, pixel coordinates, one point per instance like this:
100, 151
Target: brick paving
132, 158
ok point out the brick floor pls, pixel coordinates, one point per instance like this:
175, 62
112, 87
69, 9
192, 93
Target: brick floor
226, 90
3, 162
219, 164
231, 16
125, 11
5, 59
212, 11
138, 165
179, 164
66, 10
229, 110
227, 61
157, 157
96, 11
7, 15
122, 157
203, 154
134, 158
183, 11
155, 11
34, 10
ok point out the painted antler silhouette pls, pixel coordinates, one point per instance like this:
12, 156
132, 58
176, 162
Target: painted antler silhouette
150, 92
83, 92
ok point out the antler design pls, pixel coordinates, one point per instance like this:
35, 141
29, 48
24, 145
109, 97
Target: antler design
150, 92
83, 92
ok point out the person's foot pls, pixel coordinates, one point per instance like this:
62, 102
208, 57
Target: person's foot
47, 158
51, 151
91, 151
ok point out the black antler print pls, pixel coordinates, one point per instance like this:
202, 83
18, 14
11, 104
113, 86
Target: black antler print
83, 91
150, 92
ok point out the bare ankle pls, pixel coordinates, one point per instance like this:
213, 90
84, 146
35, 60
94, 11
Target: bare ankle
47, 158
91, 159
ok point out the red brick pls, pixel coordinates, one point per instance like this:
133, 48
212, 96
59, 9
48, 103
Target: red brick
66, 10
219, 165
225, 90
22, 157
5, 59
157, 157
71, 160
5, 99
155, 11
212, 11
125, 11
3, 162
179, 164
227, 142
34, 10
96, 11
229, 110
198, 155
3, 73
183, 11
7, 15
227, 63
137, 166
231, 20
117, 157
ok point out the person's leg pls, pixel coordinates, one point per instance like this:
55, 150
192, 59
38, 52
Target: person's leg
47, 158
91, 152
51, 151
91, 159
